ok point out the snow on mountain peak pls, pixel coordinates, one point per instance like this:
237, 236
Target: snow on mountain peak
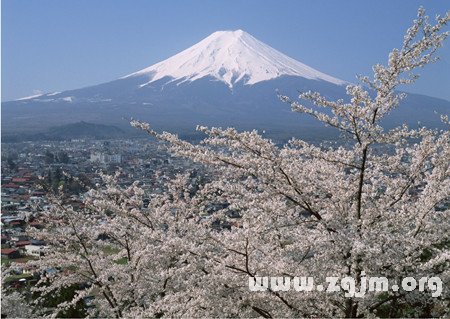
230, 56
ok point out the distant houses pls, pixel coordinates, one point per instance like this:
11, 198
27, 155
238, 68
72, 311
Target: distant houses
10, 253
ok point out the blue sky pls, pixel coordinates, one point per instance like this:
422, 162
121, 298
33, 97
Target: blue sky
55, 45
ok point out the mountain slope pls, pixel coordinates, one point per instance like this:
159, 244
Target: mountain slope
228, 79
78, 130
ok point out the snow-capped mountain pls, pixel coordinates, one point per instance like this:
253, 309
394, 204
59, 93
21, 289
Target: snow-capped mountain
227, 79
230, 57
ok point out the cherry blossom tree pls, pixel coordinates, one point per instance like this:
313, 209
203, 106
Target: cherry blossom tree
125, 255
376, 206
14, 305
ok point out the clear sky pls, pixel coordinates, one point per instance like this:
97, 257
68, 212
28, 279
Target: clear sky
56, 45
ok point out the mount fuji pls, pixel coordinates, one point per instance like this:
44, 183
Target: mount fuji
230, 57
227, 79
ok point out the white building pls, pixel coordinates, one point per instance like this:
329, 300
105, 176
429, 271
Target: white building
106, 158
35, 250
